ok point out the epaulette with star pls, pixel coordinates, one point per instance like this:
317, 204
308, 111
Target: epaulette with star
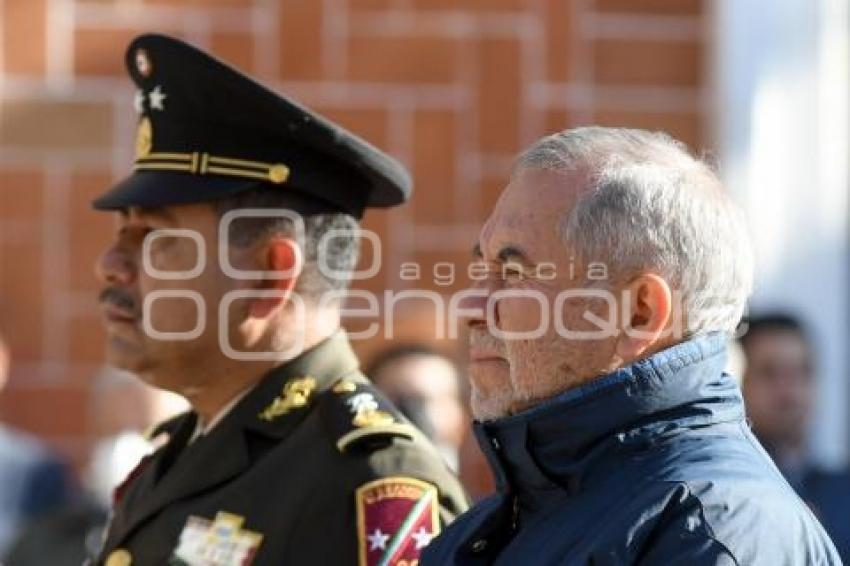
357, 415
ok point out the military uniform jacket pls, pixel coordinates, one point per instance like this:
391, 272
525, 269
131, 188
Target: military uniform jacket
313, 466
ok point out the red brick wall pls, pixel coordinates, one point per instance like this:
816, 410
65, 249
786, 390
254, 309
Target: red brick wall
454, 88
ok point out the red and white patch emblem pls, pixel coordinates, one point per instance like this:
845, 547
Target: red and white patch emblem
396, 518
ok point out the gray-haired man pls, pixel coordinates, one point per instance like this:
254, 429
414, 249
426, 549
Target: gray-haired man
616, 269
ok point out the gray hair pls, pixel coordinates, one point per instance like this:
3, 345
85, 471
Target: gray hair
652, 206
339, 256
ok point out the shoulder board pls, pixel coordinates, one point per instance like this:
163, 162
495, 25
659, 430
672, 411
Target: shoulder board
168, 426
356, 414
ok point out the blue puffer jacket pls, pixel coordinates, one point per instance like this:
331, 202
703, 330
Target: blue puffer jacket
652, 464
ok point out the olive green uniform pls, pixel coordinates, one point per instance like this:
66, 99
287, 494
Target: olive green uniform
280, 474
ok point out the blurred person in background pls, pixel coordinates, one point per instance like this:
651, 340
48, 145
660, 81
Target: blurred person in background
33, 480
613, 271
121, 411
779, 390
425, 386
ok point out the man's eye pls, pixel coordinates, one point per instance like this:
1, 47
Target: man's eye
511, 271
512, 274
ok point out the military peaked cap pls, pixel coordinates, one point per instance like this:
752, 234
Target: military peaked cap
206, 132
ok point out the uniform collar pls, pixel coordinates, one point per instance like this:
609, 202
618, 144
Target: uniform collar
325, 363
553, 446
202, 428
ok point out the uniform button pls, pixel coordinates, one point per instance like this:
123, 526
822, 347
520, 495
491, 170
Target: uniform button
496, 444
479, 545
119, 557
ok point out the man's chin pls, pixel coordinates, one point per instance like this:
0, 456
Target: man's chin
126, 356
491, 371
491, 389
489, 407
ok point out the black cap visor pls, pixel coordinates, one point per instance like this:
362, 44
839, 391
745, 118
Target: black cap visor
153, 189
156, 189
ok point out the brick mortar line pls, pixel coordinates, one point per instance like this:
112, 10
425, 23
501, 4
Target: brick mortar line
163, 18
466, 134
55, 257
98, 89
581, 69
108, 90
711, 105
2, 52
628, 26
18, 158
198, 29
266, 45
661, 98
400, 138
533, 64
59, 52
335, 31
452, 25
124, 121
376, 95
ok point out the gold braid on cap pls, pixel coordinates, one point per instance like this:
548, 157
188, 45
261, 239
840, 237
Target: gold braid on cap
206, 164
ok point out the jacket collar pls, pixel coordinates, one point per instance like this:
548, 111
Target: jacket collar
552, 446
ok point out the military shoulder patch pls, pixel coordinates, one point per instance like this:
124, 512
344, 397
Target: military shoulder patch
396, 518
354, 412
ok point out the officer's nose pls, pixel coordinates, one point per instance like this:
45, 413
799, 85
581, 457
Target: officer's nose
114, 266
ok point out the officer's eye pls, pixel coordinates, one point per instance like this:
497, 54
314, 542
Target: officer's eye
158, 240
133, 234
143, 231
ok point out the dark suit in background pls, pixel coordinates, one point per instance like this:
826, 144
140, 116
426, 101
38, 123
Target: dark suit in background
33, 482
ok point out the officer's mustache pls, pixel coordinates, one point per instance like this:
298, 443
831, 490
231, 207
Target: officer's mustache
120, 299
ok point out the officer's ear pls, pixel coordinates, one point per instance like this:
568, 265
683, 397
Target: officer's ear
647, 312
282, 260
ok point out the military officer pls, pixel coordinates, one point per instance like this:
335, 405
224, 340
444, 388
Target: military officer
234, 243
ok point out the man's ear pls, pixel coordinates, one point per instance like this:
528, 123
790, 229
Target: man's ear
647, 311
282, 260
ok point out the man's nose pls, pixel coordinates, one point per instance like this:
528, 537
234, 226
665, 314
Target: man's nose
473, 305
115, 266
